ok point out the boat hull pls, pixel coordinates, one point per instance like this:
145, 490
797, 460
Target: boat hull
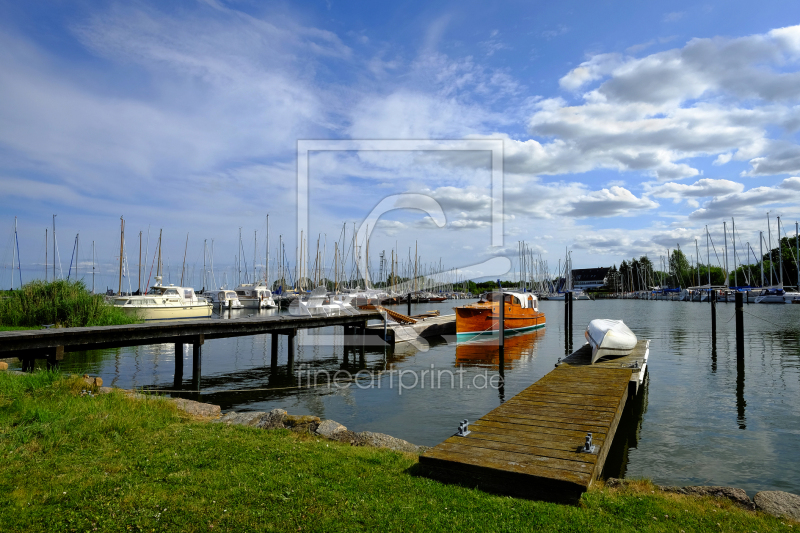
156, 312
610, 338
484, 319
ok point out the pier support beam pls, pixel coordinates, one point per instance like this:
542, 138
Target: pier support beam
178, 378
290, 339
54, 356
197, 360
273, 355
566, 323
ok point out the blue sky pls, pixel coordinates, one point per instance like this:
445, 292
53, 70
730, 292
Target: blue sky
627, 126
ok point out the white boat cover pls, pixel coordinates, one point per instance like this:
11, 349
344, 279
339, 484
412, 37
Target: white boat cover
609, 338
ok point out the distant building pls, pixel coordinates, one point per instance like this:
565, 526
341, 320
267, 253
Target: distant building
589, 278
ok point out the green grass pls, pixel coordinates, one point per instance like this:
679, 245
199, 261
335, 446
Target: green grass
63, 303
17, 328
111, 463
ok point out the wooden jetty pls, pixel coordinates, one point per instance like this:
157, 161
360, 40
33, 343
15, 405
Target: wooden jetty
53, 343
533, 444
433, 326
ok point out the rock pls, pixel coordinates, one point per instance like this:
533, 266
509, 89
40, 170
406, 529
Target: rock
200, 410
381, 440
613, 482
299, 420
242, 419
94, 382
328, 428
272, 420
738, 496
778, 503
3, 365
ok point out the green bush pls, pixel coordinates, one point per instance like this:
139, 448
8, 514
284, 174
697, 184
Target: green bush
60, 302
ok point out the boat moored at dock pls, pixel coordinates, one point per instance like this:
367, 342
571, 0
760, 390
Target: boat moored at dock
164, 303
255, 296
520, 312
609, 338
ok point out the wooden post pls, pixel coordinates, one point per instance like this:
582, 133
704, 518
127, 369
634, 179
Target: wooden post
290, 339
566, 322
274, 350
739, 326
409, 304
197, 360
178, 377
569, 329
713, 298
501, 327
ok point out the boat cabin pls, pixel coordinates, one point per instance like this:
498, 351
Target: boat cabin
523, 300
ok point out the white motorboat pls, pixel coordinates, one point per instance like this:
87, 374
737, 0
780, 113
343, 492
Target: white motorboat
315, 305
255, 296
775, 295
224, 298
164, 303
609, 338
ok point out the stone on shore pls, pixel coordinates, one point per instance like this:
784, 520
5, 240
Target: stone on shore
329, 428
778, 503
3, 365
197, 409
738, 496
381, 440
272, 420
241, 419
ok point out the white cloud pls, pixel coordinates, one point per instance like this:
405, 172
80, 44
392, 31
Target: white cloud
699, 189
615, 201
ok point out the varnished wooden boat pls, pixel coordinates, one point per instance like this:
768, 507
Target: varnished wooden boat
521, 312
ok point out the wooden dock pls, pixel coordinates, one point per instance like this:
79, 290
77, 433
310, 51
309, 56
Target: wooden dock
532, 444
52, 344
434, 326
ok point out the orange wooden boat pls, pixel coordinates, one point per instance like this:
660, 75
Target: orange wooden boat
521, 312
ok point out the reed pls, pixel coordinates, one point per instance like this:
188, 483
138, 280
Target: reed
63, 303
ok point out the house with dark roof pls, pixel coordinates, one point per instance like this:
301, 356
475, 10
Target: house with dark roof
589, 278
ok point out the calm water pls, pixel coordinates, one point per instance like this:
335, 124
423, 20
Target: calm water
702, 418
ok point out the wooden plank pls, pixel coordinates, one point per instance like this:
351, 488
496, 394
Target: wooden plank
524, 430
585, 405
507, 422
507, 461
562, 398
555, 443
584, 417
550, 409
531, 457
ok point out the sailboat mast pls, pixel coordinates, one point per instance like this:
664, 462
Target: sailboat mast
13, 254
769, 249
697, 253
761, 254
780, 254
708, 259
183, 267
121, 241
159, 267
733, 237
205, 252
266, 272
54, 247
725, 234
92, 267
45, 255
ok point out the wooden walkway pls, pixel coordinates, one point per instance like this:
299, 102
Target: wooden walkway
530, 445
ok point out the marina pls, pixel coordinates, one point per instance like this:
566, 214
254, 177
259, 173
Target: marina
702, 416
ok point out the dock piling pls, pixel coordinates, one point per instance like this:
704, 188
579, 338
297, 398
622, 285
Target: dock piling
713, 298
274, 350
178, 378
197, 360
569, 329
290, 339
739, 326
409, 305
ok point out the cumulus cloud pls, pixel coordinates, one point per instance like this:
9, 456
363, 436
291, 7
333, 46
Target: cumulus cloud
699, 189
615, 201
713, 97
744, 203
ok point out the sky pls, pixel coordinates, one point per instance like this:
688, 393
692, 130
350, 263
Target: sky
627, 128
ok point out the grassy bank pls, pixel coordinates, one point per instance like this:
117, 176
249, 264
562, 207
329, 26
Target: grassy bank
60, 302
111, 463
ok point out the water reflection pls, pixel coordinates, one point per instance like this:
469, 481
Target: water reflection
485, 352
628, 432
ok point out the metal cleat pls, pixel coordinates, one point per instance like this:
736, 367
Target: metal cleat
463, 429
588, 447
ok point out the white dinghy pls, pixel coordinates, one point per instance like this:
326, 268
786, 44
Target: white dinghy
609, 338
